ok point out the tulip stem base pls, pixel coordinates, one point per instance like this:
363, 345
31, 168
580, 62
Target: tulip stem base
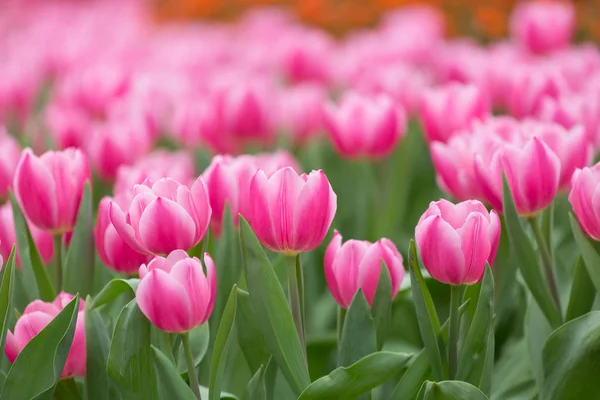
192, 374
453, 331
340, 323
294, 293
58, 260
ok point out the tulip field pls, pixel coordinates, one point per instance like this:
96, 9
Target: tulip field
260, 210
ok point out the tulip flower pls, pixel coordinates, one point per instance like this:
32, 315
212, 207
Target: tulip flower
529, 85
49, 188
36, 316
301, 114
585, 186
456, 240
10, 153
163, 216
356, 264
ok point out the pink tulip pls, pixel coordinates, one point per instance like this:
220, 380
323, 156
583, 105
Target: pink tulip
584, 192
8, 237
445, 111
456, 240
36, 316
363, 126
114, 252
291, 213
543, 26
68, 126
163, 216
529, 85
174, 292
10, 152
356, 264
301, 115
49, 188
304, 55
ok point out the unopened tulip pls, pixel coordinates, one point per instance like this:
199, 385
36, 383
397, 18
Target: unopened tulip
36, 316
174, 292
49, 188
584, 192
356, 264
301, 112
528, 87
10, 153
364, 126
163, 216
456, 240
291, 213
572, 110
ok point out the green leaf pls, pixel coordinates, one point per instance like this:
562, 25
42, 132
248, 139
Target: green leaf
97, 382
256, 390
382, 305
224, 395
114, 289
527, 259
7, 283
199, 338
269, 302
588, 253
450, 390
250, 336
222, 343
583, 292
47, 352
429, 324
476, 348
362, 376
537, 329
31, 263
130, 359
570, 359
169, 378
79, 260
358, 334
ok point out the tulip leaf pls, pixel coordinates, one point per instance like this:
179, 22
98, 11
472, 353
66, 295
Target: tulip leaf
359, 338
590, 257
32, 266
583, 292
474, 366
7, 283
270, 304
570, 359
256, 390
225, 335
130, 358
537, 329
362, 376
169, 379
429, 324
250, 336
223, 396
382, 305
114, 289
527, 259
450, 390
47, 351
79, 260
199, 338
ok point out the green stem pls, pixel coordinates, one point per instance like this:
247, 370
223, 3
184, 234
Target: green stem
192, 374
58, 260
453, 331
340, 322
547, 261
295, 300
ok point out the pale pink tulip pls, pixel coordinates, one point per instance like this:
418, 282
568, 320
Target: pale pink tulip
574, 109
529, 85
10, 153
584, 196
301, 112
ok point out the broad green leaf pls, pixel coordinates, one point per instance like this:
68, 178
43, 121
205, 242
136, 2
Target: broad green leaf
199, 338
224, 395
47, 351
114, 289
358, 334
583, 292
590, 257
476, 348
32, 266
67, 389
169, 378
223, 340
250, 336
97, 382
429, 324
570, 359
130, 359
382, 305
513, 378
7, 283
269, 302
256, 390
362, 376
450, 390
537, 329
79, 260
321, 352
527, 259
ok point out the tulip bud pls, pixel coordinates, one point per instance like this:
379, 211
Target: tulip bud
584, 190
456, 240
174, 292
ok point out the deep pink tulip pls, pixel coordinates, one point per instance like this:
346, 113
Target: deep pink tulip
174, 292
301, 112
163, 216
584, 196
8, 237
291, 213
446, 110
36, 316
49, 188
10, 153
543, 26
364, 126
356, 264
456, 240
114, 252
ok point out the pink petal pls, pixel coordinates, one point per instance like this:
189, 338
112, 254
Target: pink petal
475, 246
189, 274
260, 212
330, 253
346, 269
117, 217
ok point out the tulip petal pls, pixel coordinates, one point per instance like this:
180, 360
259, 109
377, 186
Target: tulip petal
189, 274
260, 212
346, 269
330, 253
117, 217
475, 246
